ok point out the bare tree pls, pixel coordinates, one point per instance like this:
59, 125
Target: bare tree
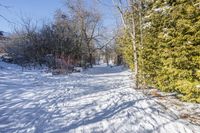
89, 24
21, 43
124, 8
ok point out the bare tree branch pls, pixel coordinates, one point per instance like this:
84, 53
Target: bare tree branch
5, 19
4, 6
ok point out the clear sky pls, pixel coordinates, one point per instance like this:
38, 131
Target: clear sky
43, 10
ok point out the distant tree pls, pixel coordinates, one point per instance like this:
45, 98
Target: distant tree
89, 26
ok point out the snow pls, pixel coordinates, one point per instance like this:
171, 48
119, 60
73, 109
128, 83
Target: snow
185, 110
101, 99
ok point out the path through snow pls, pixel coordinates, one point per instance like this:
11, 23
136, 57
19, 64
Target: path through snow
100, 100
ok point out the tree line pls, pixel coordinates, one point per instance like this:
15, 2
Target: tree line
160, 41
74, 38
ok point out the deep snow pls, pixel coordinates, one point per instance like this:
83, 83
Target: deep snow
99, 100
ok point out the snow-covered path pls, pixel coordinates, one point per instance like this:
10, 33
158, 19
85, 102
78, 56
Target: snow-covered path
100, 100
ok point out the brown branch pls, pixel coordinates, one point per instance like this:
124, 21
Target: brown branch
3, 16
5, 19
4, 6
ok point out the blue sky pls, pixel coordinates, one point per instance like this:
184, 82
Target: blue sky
43, 10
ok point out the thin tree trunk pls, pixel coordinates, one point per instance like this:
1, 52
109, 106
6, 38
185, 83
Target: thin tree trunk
107, 58
133, 37
135, 52
135, 56
141, 41
90, 59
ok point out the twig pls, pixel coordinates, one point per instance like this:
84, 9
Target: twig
4, 6
5, 18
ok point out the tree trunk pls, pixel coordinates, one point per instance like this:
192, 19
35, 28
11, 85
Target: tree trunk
135, 52
106, 54
135, 57
133, 37
90, 60
107, 60
141, 43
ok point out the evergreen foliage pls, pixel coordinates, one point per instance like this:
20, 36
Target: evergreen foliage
169, 57
125, 47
